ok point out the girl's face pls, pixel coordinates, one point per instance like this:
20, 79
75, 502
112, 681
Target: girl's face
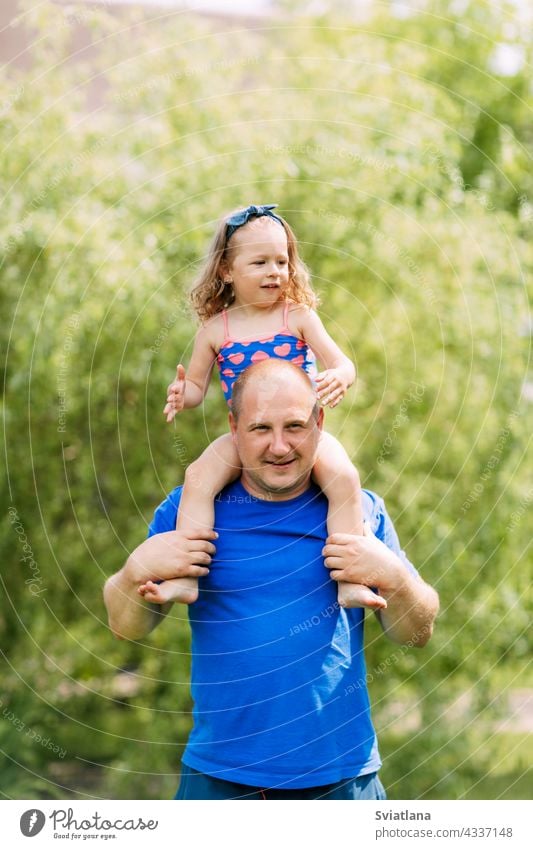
259, 263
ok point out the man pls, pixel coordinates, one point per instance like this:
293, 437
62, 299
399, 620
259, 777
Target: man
278, 675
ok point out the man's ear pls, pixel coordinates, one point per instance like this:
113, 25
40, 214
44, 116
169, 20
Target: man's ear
232, 425
320, 419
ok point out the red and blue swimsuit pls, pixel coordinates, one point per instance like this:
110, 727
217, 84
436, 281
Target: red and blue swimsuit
235, 355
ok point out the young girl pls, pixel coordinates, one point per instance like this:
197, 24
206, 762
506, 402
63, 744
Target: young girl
255, 301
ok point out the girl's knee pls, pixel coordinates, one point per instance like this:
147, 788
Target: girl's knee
195, 474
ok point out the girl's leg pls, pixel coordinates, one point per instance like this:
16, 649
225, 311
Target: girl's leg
214, 469
339, 480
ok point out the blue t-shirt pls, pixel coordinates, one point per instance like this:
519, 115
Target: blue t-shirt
278, 674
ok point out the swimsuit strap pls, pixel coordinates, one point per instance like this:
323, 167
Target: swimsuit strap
285, 318
227, 337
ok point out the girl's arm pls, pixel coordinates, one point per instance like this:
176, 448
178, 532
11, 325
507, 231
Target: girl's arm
188, 390
339, 373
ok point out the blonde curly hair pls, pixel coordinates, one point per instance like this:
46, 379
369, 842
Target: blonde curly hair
210, 294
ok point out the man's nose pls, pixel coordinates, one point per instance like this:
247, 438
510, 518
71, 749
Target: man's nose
278, 444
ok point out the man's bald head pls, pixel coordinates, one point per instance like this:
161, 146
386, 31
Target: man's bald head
267, 377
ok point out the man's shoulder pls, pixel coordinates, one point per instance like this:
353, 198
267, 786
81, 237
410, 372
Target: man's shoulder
373, 506
166, 514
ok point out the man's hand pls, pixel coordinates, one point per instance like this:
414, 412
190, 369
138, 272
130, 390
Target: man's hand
174, 554
412, 605
362, 560
331, 387
175, 394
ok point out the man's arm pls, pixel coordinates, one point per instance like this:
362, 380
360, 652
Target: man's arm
174, 554
412, 605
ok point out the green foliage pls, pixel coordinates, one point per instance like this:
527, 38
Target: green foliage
405, 170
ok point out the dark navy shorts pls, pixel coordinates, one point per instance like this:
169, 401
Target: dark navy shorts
197, 785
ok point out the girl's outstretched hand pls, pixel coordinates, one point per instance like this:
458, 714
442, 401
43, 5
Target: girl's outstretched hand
331, 387
175, 395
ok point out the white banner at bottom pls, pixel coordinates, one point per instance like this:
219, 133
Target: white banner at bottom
124, 824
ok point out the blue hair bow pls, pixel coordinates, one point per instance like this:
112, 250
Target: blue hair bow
243, 216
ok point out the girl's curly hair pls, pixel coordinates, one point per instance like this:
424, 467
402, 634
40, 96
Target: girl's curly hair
210, 294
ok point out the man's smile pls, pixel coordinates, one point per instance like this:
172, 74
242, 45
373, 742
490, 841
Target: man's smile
282, 464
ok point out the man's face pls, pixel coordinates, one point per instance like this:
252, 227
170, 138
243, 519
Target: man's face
276, 435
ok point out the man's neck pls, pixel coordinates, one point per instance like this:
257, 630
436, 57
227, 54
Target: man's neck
268, 495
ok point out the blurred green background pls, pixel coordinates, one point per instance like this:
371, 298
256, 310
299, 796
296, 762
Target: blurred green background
398, 145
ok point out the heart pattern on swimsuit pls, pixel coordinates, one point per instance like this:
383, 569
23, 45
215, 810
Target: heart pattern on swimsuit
260, 355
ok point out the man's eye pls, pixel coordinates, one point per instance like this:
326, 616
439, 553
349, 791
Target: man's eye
260, 427
259, 262
295, 426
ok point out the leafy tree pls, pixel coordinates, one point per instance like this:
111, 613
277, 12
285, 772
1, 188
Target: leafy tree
405, 169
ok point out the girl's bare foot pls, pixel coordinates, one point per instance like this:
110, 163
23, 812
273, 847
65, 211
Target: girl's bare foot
358, 595
184, 590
